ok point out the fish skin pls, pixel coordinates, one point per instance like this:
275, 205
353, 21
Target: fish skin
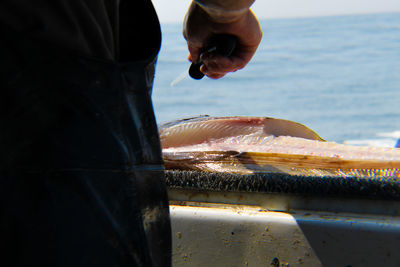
254, 145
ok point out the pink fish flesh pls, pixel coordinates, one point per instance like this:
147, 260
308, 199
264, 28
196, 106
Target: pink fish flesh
284, 140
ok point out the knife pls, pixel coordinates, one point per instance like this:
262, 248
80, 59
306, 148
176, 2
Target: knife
221, 44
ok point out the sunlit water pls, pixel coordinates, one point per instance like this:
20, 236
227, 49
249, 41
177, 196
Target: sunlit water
340, 76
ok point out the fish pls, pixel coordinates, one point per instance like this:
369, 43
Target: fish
249, 145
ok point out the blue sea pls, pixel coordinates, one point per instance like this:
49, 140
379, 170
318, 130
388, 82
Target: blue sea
338, 75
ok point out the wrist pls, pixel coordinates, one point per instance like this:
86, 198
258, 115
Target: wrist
224, 11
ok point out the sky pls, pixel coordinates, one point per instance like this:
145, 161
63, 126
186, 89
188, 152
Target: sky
173, 11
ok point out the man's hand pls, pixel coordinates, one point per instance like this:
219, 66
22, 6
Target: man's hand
203, 21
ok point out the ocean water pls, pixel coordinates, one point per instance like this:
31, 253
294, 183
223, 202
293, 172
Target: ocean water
339, 75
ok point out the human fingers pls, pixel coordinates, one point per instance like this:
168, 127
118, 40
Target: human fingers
215, 65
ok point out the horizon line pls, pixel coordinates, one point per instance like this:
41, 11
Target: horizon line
361, 13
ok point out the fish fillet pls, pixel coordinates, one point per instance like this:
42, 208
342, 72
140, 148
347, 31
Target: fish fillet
254, 145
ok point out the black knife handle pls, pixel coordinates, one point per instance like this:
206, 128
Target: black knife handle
222, 44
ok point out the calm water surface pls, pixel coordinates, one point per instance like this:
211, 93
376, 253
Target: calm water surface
340, 76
